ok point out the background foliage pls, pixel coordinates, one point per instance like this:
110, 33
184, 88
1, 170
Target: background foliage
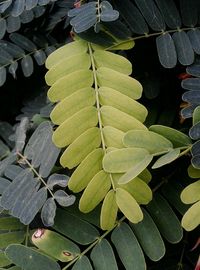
37, 177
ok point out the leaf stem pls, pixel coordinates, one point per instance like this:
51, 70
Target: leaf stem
97, 96
154, 34
36, 173
94, 244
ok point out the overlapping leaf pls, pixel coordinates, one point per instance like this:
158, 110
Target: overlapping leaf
24, 190
93, 119
90, 14
21, 50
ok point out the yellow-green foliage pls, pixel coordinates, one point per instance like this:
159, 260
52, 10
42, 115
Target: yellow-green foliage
95, 106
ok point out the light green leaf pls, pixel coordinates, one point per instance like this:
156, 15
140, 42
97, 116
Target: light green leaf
120, 82
108, 211
29, 259
67, 66
10, 223
66, 51
136, 169
167, 158
69, 84
73, 127
90, 166
103, 257
128, 248
191, 193
151, 141
72, 104
113, 61
74, 227
193, 172
176, 137
4, 261
128, 205
145, 176
122, 45
82, 264
55, 245
137, 188
111, 97
149, 237
196, 115
11, 238
118, 119
113, 137
165, 219
191, 219
95, 192
81, 147
121, 160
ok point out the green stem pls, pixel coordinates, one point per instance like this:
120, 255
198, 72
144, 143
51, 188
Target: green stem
97, 96
27, 235
93, 244
35, 172
98, 104
155, 34
185, 148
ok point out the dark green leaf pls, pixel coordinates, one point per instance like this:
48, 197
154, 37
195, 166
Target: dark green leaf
26, 16
189, 12
2, 75
170, 13
17, 7
31, 4
2, 27
184, 49
75, 227
194, 37
30, 259
13, 24
166, 220
82, 264
12, 49
132, 16
11, 238
149, 237
128, 248
103, 256
149, 10
166, 50
40, 57
27, 65
23, 42
10, 223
